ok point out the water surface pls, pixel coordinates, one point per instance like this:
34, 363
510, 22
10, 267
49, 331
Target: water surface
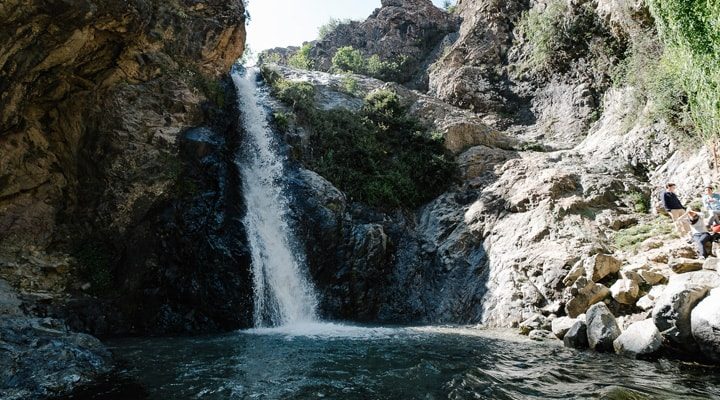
334, 361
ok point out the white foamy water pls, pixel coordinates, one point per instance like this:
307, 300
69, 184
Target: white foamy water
329, 330
283, 293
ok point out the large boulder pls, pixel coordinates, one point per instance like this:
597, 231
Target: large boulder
705, 325
560, 326
626, 289
584, 294
576, 336
602, 329
671, 313
682, 265
705, 278
640, 338
600, 266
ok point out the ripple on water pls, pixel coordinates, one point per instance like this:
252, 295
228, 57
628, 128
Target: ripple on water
337, 361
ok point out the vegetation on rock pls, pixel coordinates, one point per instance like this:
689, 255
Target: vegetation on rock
378, 155
349, 59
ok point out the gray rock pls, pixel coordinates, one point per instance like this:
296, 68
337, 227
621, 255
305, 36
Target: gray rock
576, 337
640, 338
561, 325
671, 313
586, 296
600, 266
626, 289
540, 334
602, 329
705, 325
651, 276
704, 278
711, 263
9, 301
536, 322
645, 303
682, 265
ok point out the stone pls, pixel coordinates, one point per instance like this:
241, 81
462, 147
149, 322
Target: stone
705, 325
585, 297
652, 276
575, 272
682, 265
626, 289
535, 322
576, 337
645, 303
561, 325
640, 338
711, 263
9, 301
704, 278
671, 313
540, 334
602, 329
600, 266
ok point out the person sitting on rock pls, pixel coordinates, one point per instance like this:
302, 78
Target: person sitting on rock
711, 202
675, 208
700, 235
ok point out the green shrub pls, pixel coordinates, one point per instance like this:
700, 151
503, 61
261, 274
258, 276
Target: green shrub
630, 238
348, 59
691, 33
301, 58
378, 155
282, 120
350, 84
331, 26
640, 202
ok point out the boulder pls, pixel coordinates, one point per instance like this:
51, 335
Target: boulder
590, 294
600, 266
711, 263
540, 334
626, 289
640, 338
705, 325
533, 323
704, 278
682, 265
561, 325
576, 336
671, 313
602, 329
652, 276
645, 303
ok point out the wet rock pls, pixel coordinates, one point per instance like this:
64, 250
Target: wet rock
540, 334
561, 325
602, 329
576, 337
705, 324
536, 322
42, 358
671, 313
682, 265
640, 338
9, 301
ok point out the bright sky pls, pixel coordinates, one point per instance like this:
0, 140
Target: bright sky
282, 23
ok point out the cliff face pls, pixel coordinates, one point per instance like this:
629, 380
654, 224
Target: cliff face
100, 180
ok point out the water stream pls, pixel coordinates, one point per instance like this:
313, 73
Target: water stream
283, 293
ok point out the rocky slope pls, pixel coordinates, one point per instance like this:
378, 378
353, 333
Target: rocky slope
107, 201
551, 179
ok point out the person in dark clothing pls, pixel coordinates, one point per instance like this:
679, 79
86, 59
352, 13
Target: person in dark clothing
675, 208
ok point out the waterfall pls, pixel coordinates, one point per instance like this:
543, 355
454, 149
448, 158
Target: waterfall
283, 293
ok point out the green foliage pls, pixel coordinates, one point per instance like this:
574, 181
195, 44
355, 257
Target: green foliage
282, 120
640, 202
301, 59
449, 6
94, 266
350, 84
560, 34
630, 238
378, 155
690, 30
271, 57
349, 59
330, 27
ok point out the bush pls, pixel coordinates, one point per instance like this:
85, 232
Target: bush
331, 26
301, 59
350, 85
640, 202
349, 59
378, 155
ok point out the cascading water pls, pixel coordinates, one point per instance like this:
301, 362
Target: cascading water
283, 294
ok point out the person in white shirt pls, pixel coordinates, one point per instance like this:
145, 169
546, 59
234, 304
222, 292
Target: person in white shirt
698, 229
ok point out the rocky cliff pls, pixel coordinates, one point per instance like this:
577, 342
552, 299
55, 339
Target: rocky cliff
102, 186
562, 156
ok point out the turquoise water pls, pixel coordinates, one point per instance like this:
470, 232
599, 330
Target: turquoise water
329, 361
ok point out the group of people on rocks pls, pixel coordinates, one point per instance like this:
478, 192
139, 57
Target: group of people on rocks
691, 223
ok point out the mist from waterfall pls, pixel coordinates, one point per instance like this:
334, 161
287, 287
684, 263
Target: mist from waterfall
283, 294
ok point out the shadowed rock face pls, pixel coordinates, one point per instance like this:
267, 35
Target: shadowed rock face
102, 191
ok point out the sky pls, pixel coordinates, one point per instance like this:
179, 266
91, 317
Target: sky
282, 23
